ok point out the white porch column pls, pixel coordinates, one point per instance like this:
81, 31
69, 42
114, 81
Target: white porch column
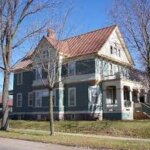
131, 98
138, 96
145, 97
120, 97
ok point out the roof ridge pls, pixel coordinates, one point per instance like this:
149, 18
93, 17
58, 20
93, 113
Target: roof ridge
89, 32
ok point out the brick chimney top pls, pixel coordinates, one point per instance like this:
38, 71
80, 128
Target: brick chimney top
51, 33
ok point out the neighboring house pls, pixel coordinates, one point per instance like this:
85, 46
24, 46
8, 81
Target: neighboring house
96, 80
10, 105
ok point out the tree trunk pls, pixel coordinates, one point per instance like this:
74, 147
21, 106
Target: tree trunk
51, 117
5, 97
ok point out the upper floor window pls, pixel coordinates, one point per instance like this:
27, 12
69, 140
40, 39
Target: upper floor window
45, 54
38, 73
71, 68
72, 96
19, 78
19, 100
111, 69
30, 99
111, 50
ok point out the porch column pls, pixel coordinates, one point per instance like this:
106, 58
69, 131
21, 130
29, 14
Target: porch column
104, 99
138, 96
120, 97
131, 98
60, 101
145, 97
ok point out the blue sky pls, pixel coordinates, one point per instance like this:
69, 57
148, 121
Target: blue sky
86, 15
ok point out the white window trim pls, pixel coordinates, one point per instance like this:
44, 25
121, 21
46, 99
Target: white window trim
30, 99
18, 99
21, 81
69, 64
69, 89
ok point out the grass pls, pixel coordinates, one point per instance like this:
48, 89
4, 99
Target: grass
79, 141
138, 129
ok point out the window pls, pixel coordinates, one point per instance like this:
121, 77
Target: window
93, 94
111, 96
45, 54
115, 49
19, 78
71, 68
72, 96
111, 50
38, 73
30, 99
119, 53
39, 94
19, 100
54, 98
111, 69
38, 99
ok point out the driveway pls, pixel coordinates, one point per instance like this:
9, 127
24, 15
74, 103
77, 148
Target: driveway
13, 144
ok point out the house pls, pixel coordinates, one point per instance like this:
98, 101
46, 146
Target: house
10, 105
97, 79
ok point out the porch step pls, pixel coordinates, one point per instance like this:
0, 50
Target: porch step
140, 115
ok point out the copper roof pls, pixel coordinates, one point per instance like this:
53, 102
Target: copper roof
83, 44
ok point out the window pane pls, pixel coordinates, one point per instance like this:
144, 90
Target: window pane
71, 68
72, 96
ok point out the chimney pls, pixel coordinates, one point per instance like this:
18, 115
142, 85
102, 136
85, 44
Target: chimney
51, 34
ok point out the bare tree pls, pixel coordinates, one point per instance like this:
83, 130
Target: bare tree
51, 61
133, 16
13, 15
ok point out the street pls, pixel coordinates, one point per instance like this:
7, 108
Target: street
13, 144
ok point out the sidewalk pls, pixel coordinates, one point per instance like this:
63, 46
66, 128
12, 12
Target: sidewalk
83, 135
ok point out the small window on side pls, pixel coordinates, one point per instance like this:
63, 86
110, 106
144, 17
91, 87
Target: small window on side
111, 50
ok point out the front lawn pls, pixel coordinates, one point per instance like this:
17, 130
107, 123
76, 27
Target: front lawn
140, 129
78, 141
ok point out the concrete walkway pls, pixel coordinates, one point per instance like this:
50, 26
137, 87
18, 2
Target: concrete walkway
14, 144
83, 135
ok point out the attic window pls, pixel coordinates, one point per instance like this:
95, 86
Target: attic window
119, 53
45, 53
111, 49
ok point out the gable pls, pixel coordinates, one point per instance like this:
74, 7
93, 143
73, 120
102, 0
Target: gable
44, 45
119, 52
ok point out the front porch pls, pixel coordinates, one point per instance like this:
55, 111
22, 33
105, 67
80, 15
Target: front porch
119, 97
